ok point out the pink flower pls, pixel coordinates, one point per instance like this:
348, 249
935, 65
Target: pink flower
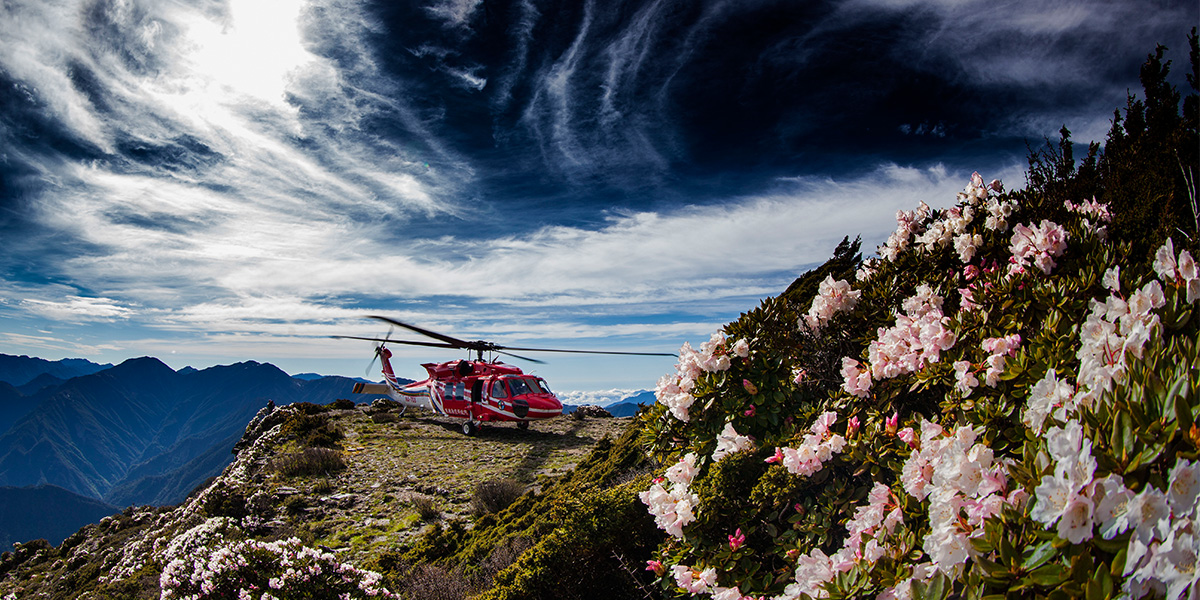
852, 426
892, 423
798, 376
736, 540
777, 457
750, 387
908, 436
656, 566
750, 411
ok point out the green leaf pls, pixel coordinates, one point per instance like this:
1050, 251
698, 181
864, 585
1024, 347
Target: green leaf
1041, 554
1049, 575
1183, 411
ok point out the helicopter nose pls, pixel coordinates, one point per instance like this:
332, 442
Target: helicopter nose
545, 407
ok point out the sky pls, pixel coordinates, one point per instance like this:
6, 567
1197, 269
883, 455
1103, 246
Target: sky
214, 181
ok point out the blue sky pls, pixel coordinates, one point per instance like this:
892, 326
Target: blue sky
216, 181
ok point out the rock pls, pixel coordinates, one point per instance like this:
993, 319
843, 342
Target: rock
593, 411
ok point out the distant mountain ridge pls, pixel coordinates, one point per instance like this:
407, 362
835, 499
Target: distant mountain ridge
136, 433
19, 370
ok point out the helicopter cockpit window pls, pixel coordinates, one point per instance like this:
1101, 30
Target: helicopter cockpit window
498, 389
538, 386
519, 386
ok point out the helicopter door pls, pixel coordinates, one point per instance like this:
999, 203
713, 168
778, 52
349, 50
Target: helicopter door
477, 391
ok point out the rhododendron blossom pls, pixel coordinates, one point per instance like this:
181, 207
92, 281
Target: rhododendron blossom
1038, 245
918, 337
832, 297
730, 441
999, 350
818, 446
1179, 270
674, 507
674, 390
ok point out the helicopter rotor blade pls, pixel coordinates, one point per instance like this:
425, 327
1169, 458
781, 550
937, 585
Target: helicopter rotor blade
532, 360
390, 341
455, 342
588, 351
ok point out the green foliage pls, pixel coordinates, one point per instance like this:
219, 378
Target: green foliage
495, 495
309, 462
312, 429
582, 536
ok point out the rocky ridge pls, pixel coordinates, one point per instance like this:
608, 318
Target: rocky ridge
389, 478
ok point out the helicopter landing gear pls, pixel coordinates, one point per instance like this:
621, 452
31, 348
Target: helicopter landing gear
403, 407
522, 425
469, 428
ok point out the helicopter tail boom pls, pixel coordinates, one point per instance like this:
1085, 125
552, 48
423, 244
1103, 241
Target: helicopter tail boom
370, 388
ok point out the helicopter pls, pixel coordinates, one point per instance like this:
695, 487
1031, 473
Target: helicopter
476, 391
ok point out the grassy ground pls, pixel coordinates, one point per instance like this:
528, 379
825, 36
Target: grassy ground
393, 468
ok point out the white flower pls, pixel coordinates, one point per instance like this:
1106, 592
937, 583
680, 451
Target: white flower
1149, 514
1076, 522
1112, 279
1112, 505
1050, 499
729, 441
1183, 491
1164, 261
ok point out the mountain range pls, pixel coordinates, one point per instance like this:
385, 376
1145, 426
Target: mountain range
86, 437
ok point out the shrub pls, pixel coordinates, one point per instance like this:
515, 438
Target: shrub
309, 462
323, 486
981, 437
223, 502
430, 582
312, 430
343, 404
495, 495
425, 508
234, 569
384, 417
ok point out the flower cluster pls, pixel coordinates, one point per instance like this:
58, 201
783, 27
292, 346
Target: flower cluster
729, 441
964, 486
674, 508
1065, 496
908, 222
1040, 245
817, 447
1091, 209
1180, 271
1114, 328
918, 337
675, 389
255, 569
1051, 395
1165, 543
999, 351
868, 529
832, 297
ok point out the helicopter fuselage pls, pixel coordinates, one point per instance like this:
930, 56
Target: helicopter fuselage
476, 391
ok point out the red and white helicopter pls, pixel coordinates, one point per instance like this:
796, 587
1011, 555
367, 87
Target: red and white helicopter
476, 391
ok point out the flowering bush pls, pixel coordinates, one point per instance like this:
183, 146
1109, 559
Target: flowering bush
203, 563
1015, 414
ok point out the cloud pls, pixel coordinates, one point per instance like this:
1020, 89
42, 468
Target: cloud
454, 13
76, 309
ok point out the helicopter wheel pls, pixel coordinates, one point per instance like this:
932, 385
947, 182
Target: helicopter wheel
468, 428
522, 424
403, 407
